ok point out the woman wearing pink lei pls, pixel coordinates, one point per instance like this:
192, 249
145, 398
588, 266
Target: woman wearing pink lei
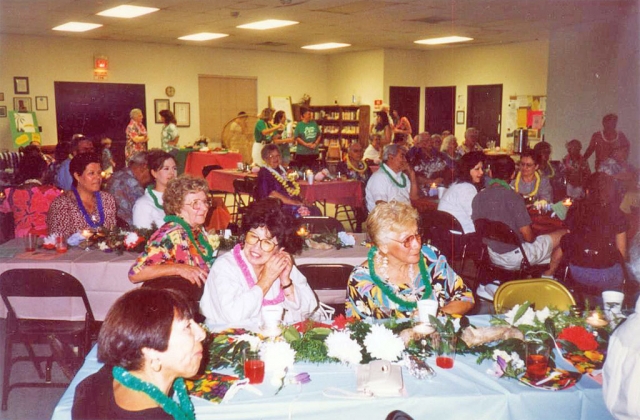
258, 274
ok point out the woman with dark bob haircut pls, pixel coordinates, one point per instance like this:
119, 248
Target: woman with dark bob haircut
259, 273
148, 343
458, 197
84, 206
181, 247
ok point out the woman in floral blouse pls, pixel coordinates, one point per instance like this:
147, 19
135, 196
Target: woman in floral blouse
181, 247
401, 271
137, 137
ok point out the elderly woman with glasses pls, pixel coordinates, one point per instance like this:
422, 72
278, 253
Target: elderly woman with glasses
181, 247
259, 273
400, 271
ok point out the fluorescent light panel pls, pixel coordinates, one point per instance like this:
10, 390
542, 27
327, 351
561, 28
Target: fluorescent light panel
443, 40
326, 46
128, 12
202, 36
268, 24
77, 27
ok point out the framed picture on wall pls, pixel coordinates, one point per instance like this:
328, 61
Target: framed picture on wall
182, 112
459, 117
3, 112
21, 85
1, 96
22, 104
160, 105
42, 103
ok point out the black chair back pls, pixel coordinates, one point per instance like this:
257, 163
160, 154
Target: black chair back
208, 168
443, 231
321, 224
329, 282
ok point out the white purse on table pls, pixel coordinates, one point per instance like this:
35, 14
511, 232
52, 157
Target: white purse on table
380, 378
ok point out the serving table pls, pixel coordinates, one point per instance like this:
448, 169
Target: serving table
105, 275
464, 392
336, 191
198, 160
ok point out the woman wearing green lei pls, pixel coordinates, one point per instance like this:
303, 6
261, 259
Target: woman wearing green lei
400, 271
181, 247
143, 371
148, 209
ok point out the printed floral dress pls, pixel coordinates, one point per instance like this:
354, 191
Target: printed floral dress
30, 205
366, 300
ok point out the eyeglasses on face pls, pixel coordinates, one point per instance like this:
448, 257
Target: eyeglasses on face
273, 156
406, 242
198, 204
527, 165
267, 244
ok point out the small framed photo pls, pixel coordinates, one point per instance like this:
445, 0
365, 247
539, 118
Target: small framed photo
21, 85
160, 105
2, 96
22, 104
182, 112
42, 103
3, 112
459, 117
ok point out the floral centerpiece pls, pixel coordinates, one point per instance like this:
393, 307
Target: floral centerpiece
327, 240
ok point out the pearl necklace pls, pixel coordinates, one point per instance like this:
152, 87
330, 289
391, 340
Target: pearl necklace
535, 188
292, 187
609, 141
249, 278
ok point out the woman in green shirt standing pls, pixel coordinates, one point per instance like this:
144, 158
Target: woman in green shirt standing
262, 134
307, 137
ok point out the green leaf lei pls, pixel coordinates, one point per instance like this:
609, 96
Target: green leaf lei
182, 411
499, 182
388, 292
154, 198
404, 178
201, 239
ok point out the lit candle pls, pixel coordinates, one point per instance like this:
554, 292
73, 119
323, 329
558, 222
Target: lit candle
86, 233
103, 174
434, 185
596, 320
567, 202
302, 231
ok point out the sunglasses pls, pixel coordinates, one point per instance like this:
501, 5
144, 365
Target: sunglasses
267, 245
406, 242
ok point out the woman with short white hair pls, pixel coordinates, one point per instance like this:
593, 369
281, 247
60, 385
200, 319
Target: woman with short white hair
136, 132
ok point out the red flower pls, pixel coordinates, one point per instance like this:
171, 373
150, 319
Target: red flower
580, 337
341, 322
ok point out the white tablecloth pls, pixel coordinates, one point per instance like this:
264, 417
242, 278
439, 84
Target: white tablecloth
464, 392
105, 275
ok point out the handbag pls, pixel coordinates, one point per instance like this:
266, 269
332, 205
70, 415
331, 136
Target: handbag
380, 378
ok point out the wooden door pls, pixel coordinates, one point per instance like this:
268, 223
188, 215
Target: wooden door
439, 109
406, 100
221, 98
97, 110
484, 111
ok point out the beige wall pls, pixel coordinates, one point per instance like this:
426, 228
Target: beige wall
45, 60
359, 74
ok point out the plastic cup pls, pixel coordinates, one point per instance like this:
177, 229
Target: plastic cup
61, 244
30, 242
537, 360
253, 367
441, 191
240, 166
425, 308
271, 317
444, 345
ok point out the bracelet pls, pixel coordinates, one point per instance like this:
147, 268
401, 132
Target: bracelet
287, 286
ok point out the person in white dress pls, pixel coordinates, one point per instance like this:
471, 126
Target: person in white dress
148, 209
258, 274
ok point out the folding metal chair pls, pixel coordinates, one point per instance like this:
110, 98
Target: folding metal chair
540, 292
329, 282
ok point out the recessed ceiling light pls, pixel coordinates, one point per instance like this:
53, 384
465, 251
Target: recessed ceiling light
268, 24
202, 36
126, 11
443, 40
326, 46
77, 27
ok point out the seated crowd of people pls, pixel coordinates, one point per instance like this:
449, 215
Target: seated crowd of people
234, 288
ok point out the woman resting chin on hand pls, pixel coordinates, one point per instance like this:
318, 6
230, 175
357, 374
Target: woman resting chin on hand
259, 273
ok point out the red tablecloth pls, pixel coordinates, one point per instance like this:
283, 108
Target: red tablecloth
335, 192
198, 160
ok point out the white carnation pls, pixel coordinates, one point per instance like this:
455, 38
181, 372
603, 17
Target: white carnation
383, 344
102, 246
278, 356
503, 354
543, 314
131, 239
526, 319
342, 347
254, 341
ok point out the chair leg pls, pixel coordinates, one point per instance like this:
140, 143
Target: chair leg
6, 374
34, 359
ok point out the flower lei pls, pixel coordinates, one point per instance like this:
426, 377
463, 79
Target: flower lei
499, 182
83, 210
292, 187
360, 171
535, 188
388, 291
404, 178
180, 411
553, 172
201, 239
249, 279
154, 198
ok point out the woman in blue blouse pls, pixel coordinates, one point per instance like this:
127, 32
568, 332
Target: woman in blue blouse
401, 271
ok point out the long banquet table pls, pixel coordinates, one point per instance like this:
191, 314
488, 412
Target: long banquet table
105, 275
464, 392
335, 192
198, 160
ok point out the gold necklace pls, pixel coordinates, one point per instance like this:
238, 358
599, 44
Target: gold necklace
292, 187
535, 188
360, 171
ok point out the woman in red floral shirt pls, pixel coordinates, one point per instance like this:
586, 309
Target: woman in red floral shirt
30, 201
